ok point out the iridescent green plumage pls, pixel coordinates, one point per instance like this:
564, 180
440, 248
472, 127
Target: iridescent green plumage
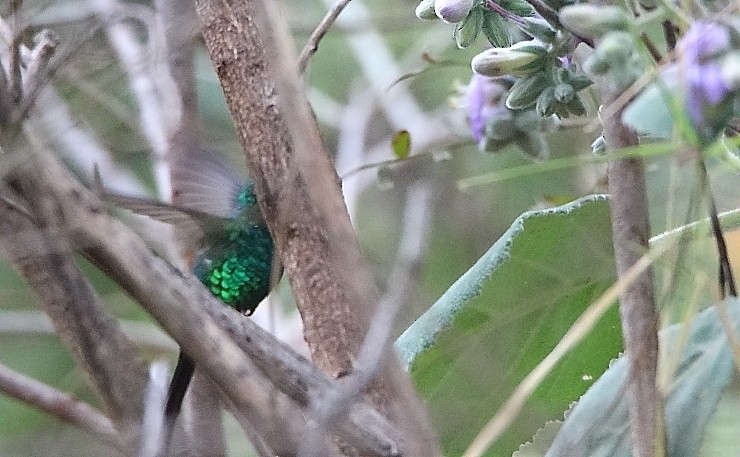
236, 264
219, 218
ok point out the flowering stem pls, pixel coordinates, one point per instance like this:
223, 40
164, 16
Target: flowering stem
503, 12
547, 13
650, 46
631, 231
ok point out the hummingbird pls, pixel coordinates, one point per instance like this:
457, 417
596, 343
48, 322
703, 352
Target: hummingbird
217, 219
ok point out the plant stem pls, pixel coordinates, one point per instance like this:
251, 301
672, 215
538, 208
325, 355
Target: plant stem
631, 232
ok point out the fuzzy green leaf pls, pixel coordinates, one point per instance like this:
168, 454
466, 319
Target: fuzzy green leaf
494, 28
650, 114
598, 425
467, 353
525, 91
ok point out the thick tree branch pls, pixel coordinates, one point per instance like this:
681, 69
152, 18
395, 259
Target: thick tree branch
298, 191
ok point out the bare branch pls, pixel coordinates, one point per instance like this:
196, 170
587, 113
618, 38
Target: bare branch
152, 421
179, 26
37, 76
59, 405
204, 419
29, 322
152, 86
15, 83
277, 424
312, 45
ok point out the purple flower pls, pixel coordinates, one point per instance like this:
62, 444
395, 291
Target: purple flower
452, 11
704, 84
485, 100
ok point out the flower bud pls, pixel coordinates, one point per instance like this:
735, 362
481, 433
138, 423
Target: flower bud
564, 93
452, 11
593, 21
525, 91
425, 10
546, 103
521, 59
538, 28
612, 53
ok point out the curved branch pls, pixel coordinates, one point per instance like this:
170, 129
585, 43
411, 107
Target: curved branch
312, 45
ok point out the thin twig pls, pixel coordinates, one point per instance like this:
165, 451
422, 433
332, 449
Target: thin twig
650, 46
151, 422
401, 281
34, 322
78, 146
727, 285
669, 31
547, 13
15, 82
153, 87
312, 45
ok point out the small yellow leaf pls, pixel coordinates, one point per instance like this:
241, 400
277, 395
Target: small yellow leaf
401, 144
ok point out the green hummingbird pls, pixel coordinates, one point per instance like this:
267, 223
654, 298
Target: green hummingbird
218, 215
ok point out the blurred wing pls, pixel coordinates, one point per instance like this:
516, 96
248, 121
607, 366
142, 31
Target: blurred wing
192, 225
206, 183
205, 192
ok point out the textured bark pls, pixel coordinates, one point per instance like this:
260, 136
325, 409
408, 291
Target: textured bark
298, 191
44, 258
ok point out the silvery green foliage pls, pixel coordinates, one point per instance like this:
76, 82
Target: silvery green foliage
538, 68
598, 425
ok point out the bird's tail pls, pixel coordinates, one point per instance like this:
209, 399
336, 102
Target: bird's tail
178, 386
